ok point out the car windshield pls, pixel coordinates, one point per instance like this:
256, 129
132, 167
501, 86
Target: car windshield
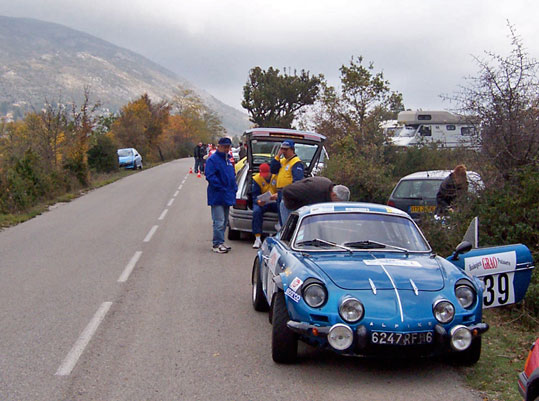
407, 131
124, 152
264, 151
359, 231
417, 189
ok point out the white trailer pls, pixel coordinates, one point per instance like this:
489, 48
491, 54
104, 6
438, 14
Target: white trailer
442, 127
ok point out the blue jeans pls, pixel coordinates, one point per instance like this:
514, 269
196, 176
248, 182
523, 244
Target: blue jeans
283, 213
219, 215
258, 215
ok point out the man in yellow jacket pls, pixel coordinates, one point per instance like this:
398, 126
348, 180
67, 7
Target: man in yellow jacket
263, 182
289, 168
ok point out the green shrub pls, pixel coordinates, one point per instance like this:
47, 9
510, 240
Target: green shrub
102, 157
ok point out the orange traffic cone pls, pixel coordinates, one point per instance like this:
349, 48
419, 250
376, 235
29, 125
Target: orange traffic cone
190, 170
198, 175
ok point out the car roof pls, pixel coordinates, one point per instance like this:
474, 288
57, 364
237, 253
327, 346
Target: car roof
285, 133
340, 207
437, 175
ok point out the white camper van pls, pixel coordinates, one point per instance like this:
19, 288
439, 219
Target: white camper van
443, 127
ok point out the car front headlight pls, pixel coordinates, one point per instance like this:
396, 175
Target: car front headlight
443, 310
466, 295
315, 295
461, 338
351, 310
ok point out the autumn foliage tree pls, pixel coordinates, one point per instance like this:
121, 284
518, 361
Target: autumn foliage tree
140, 125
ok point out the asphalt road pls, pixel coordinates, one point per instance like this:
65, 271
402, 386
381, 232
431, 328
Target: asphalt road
109, 297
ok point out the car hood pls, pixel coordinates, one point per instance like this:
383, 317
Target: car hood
358, 272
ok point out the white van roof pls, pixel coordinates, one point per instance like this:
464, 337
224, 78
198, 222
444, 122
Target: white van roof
429, 117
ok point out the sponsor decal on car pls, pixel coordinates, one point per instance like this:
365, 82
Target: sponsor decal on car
497, 273
392, 262
294, 296
295, 284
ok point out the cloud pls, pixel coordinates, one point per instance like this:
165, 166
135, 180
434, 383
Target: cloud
424, 48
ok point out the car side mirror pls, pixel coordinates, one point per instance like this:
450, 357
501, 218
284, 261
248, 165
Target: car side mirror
463, 247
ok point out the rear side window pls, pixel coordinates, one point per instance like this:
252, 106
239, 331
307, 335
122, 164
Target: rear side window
417, 189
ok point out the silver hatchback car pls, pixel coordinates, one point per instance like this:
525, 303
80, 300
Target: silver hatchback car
262, 146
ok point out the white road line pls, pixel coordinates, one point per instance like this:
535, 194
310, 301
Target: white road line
170, 202
129, 268
150, 234
163, 214
177, 192
73, 356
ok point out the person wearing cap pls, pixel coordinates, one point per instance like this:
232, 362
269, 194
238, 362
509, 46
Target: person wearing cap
263, 182
289, 168
312, 190
221, 192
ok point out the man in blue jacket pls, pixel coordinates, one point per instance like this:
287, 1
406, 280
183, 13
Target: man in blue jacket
221, 192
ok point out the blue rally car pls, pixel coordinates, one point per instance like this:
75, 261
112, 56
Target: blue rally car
361, 279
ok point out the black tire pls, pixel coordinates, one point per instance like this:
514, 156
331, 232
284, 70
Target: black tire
259, 300
284, 342
233, 235
471, 355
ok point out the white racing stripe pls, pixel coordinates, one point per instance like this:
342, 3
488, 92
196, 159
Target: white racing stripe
396, 292
170, 202
163, 214
151, 233
73, 356
130, 266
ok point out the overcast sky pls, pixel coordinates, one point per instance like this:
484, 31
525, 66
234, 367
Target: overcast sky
424, 47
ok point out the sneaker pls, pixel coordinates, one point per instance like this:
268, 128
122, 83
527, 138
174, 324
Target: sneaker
258, 242
228, 248
220, 249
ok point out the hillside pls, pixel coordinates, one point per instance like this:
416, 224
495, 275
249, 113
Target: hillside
43, 61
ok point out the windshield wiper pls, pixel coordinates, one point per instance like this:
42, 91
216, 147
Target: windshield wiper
368, 244
320, 242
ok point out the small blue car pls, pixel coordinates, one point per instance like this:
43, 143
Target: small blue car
361, 279
129, 158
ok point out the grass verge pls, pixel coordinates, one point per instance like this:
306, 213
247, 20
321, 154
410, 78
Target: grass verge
504, 352
97, 181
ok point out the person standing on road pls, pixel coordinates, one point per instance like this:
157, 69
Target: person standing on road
453, 186
289, 168
221, 192
199, 154
263, 182
312, 190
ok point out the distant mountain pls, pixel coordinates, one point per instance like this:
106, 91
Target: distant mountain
41, 60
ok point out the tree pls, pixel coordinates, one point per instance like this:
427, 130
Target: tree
140, 125
504, 98
274, 100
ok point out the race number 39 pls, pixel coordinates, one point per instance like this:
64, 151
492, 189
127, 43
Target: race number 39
498, 290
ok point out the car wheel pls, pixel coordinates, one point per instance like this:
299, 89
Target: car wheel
259, 300
140, 166
471, 355
284, 342
233, 235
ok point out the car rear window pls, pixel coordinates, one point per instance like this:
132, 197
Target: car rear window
124, 152
417, 189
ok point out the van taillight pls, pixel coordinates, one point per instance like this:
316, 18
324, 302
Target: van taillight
391, 203
241, 204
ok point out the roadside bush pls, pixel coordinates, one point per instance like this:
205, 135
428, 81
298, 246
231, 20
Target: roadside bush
102, 156
77, 166
25, 183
